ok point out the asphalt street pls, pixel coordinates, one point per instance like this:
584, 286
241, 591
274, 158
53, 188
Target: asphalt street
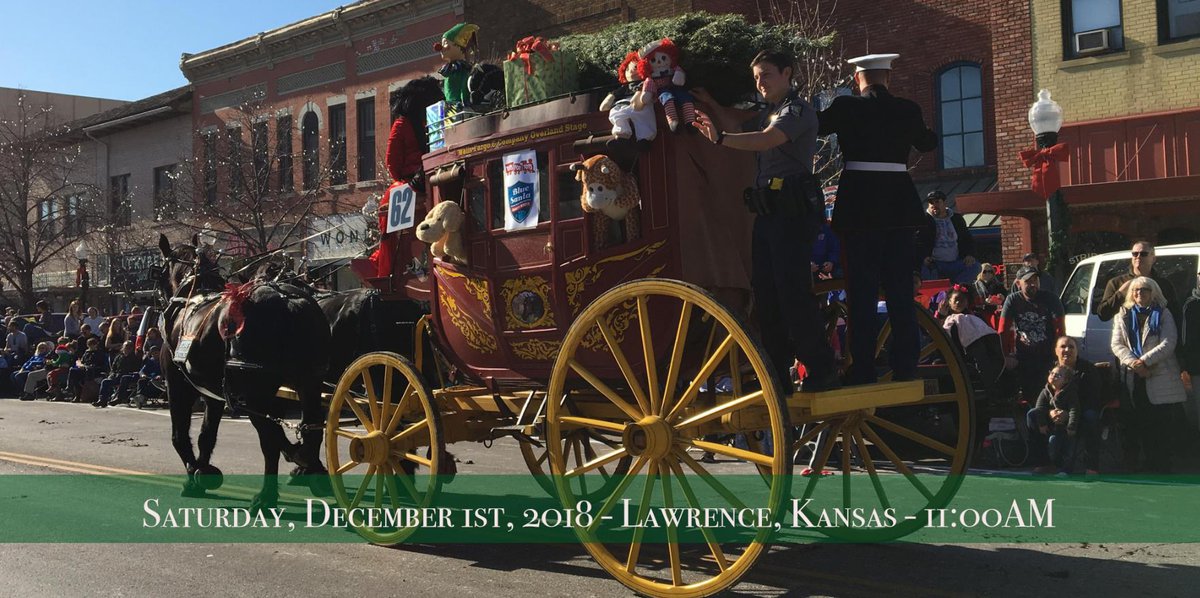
40, 437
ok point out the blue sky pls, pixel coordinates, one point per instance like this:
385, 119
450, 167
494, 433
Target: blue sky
127, 49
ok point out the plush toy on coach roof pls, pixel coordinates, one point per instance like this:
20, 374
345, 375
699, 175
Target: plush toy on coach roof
629, 110
458, 46
664, 78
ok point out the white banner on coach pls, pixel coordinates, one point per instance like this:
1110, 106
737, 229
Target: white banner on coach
521, 192
402, 207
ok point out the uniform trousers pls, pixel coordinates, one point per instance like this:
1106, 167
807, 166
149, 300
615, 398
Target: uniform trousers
784, 305
876, 258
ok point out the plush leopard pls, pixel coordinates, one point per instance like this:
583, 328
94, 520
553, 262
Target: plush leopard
612, 195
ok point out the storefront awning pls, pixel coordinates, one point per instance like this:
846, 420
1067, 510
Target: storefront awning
1026, 203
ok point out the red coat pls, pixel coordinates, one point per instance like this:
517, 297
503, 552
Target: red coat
403, 152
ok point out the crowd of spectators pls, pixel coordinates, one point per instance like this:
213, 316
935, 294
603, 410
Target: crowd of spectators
84, 357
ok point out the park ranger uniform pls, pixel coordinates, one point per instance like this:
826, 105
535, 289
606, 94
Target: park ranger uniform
877, 213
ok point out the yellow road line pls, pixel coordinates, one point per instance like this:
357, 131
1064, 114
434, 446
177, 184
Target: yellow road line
92, 468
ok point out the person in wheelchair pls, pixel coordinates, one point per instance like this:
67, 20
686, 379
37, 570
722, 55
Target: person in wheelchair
150, 379
980, 342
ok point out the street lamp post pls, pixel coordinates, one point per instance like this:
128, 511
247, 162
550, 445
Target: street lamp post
1046, 118
83, 279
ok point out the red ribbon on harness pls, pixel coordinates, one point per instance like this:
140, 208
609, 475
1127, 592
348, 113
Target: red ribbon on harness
533, 44
1044, 163
235, 318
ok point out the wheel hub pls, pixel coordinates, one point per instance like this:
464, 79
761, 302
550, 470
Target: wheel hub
651, 436
372, 448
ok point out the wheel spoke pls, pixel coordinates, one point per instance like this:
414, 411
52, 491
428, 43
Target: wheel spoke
372, 398
694, 388
901, 465
386, 398
596, 462
685, 315
379, 487
623, 405
818, 466
636, 545
345, 433
809, 435
390, 485
358, 412
588, 422
735, 371
655, 405
347, 467
398, 414
617, 493
912, 435
736, 453
411, 430
713, 413
615, 348
406, 481
418, 459
870, 465
690, 496
362, 487
708, 478
672, 532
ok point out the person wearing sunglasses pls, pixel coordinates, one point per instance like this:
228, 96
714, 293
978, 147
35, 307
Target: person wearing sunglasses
1141, 263
1144, 340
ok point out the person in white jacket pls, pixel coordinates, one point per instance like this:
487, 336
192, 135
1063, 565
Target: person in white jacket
1144, 339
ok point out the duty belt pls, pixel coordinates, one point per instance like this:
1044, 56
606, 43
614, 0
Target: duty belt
876, 166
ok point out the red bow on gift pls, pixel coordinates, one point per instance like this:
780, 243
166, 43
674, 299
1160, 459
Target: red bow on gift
1044, 163
531, 44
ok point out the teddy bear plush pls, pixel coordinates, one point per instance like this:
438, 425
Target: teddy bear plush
442, 229
658, 66
612, 195
630, 113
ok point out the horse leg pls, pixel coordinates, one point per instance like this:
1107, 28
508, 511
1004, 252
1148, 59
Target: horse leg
180, 397
271, 439
213, 410
309, 470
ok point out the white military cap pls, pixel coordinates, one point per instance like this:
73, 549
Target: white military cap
872, 62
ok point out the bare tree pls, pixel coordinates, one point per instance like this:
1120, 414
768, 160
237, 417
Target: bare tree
242, 182
47, 201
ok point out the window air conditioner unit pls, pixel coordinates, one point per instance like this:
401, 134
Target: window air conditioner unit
1090, 42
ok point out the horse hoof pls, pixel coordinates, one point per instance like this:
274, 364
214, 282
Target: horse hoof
262, 502
316, 478
209, 477
192, 489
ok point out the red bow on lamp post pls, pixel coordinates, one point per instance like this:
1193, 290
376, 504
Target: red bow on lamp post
1044, 163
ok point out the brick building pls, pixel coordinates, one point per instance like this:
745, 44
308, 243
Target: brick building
321, 93
1131, 117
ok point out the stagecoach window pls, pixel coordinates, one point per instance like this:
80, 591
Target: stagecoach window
568, 192
495, 177
477, 207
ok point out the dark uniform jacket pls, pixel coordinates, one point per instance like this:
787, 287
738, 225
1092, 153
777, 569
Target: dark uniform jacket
1189, 334
877, 127
1112, 301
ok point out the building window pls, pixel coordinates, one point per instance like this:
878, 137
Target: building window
337, 144
164, 191
47, 217
283, 152
236, 167
73, 215
960, 95
364, 110
1100, 20
210, 169
118, 193
260, 149
1178, 20
309, 141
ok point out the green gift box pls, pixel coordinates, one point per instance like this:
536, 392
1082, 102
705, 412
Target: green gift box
530, 77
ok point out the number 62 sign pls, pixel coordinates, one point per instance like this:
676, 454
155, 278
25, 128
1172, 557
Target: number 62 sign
402, 206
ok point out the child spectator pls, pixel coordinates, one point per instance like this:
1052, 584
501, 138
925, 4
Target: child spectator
980, 342
1056, 415
73, 320
149, 374
92, 366
125, 372
60, 366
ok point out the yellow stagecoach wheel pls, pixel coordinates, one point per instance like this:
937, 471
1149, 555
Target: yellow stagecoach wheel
581, 446
383, 441
701, 385
908, 457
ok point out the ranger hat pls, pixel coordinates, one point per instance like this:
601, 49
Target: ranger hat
873, 62
1026, 273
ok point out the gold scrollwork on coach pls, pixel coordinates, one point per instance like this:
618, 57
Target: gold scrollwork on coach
619, 320
535, 349
478, 338
579, 278
476, 287
527, 303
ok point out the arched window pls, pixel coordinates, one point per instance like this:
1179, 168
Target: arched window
310, 142
960, 108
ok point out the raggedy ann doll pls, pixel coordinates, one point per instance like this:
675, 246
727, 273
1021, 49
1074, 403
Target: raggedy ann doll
631, 115
659, 67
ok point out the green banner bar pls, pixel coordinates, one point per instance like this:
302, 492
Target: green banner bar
519, 509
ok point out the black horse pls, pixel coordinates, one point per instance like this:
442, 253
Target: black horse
239, 344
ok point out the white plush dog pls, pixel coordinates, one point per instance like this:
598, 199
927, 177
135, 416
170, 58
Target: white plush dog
442, 230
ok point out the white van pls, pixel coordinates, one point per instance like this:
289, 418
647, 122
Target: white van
1085, 289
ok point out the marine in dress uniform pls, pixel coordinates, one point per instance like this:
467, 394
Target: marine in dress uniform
790, 208
878, 211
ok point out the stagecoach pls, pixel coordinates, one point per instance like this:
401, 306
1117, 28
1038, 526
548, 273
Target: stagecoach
617, 362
